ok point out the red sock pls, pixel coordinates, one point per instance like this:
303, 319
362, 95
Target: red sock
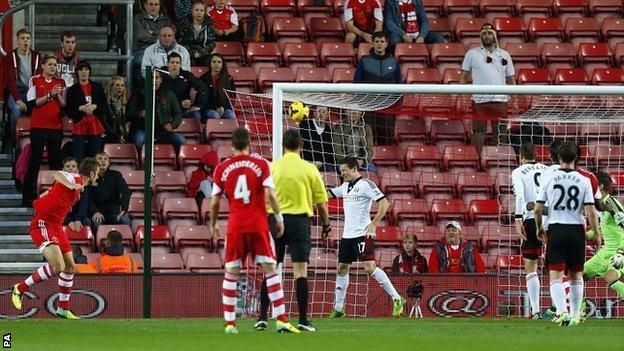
229, 295
65, 283
42, 273
276, 295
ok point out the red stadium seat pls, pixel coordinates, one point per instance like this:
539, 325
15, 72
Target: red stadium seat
528, 9
274, 9
191, 129
431, 182
524, 53
571, 76
82, 237
410, 209
618, 181
442, 26
447, 130
559, 54
451, 76
498, 156
124, 154
461, 8
244, 78
434, 8
180, 208
167, 262
412, 52
422, 76
363, 50
619, 54
204, 263
330, 27
160, 236
594, 52
582, 30
191, 154
474, 182
496, 234
266, 54
289, 27
388, 236
608, 76
399, 182
509, 262
484, 209
198, 71
565, 9
136, 208
463, 156
606, 155
447, 52
387, 156
311, 6
300, 53
427, 235
312, 75
244, 7
543, 30
448, 209
613, 30
502, 184
191, 235
343, 75
220, 128
613, 7
164, 157
268, 76
103, 230
134, 179
232, 52
537, 76
337, 52
468, 28
423, 156
170, 180
513, 27
491, 9
410, 130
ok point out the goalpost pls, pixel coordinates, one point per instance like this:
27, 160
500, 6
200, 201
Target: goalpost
410, 122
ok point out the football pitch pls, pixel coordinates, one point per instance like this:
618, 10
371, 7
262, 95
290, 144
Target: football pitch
344, 335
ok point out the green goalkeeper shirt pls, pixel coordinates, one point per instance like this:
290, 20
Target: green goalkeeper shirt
612, 233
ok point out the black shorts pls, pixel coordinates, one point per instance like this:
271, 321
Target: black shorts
566, 247
360, 249
296, 236
531, 246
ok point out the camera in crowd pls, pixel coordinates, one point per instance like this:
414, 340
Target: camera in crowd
415, 290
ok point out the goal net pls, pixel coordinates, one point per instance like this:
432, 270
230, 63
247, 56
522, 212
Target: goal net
422, 145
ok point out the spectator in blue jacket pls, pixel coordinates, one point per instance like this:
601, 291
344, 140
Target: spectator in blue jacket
406, 22
380, 66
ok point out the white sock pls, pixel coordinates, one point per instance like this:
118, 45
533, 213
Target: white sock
533, 288
576, 297
558, 296
342, 283
381, 277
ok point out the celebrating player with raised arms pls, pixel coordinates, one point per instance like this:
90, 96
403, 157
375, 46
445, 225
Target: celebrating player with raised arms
526, 183
568, 194
246, 182
358, 238
47, 233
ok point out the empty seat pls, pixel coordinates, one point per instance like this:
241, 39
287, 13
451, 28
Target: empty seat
502, 184
122, 154
204, 263
510, 262
560, 54
463, 156
343, 75
543, 30
231, 51
387, 236
244, 78
606, 155
81, 237
289, 27
608, 76
448, 209
399, 182
431, 182
484, 209
474, 182
460, 8
191, 129
387, 156
468, 28
565, 9
524, 53
534, 76
191, 154
134, 179
167, 262
220, 128
267, 76
312, 75
582, 30
529, 9
160, 236
180, 208
266, 54
571, 76
164, 156
412, 52
498, 156
451, 76
422, 76
423, 155
613, 30
191, 235
447, 53
447, 130
508, 28
300, 53
410, 130
441, 25
329, 27
415, 209
337, 53
594, 52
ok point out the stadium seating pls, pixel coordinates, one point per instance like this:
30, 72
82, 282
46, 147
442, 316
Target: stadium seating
411, 130
536, 76
510, 30
452, 209
266, 54
542, 30
244, 79
122, 154
608, 76
399, 182
204, 263
82, 237
191, 235
269, 75
422, 76
167, 263
415, 209
387, 236
190, 155
104, 229
161, 237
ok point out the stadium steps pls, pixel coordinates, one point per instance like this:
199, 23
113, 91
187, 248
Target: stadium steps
20, 255
16, 242
14, 227
15, 213
19, 267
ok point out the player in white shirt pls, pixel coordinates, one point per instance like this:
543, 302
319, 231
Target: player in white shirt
568, 193
358, 238
526, 184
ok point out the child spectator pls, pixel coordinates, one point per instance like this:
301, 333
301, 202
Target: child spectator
200, 184
409, 261
225, 21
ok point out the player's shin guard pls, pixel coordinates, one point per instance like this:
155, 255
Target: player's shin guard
558, 296
229, 298
276, 295
42, 273
302, 299
618, 286
65, 283
382, 278
533, 289
576, 297
342, 283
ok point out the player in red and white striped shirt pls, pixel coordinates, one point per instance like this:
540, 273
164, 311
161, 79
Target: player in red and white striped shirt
47, 233
246, 182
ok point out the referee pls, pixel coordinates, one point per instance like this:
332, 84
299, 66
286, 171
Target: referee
299, 188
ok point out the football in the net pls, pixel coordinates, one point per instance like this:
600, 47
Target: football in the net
297, 111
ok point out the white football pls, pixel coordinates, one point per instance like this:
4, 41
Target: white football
617, 261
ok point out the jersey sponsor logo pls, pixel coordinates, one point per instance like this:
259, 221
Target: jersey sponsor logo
98, 306
459, 302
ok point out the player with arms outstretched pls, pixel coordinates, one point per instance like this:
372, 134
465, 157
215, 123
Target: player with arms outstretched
568, 193
613, 238
246, 182
526, 183
358, 238
46, 231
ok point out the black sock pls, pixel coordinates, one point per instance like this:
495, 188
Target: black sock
302, 299
264, 301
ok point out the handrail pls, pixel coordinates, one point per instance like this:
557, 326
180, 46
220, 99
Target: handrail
30, 5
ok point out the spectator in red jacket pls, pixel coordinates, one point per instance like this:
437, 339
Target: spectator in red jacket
67, 58
18, 67
47, 94
225, 21
200, 184
452, 254
410, 261
362, 18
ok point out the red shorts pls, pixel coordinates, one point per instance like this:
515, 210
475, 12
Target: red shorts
257, 244
44, 233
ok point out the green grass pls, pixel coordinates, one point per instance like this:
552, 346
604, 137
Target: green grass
344, 335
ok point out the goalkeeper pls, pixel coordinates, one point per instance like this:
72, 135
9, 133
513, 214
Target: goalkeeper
612, 227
